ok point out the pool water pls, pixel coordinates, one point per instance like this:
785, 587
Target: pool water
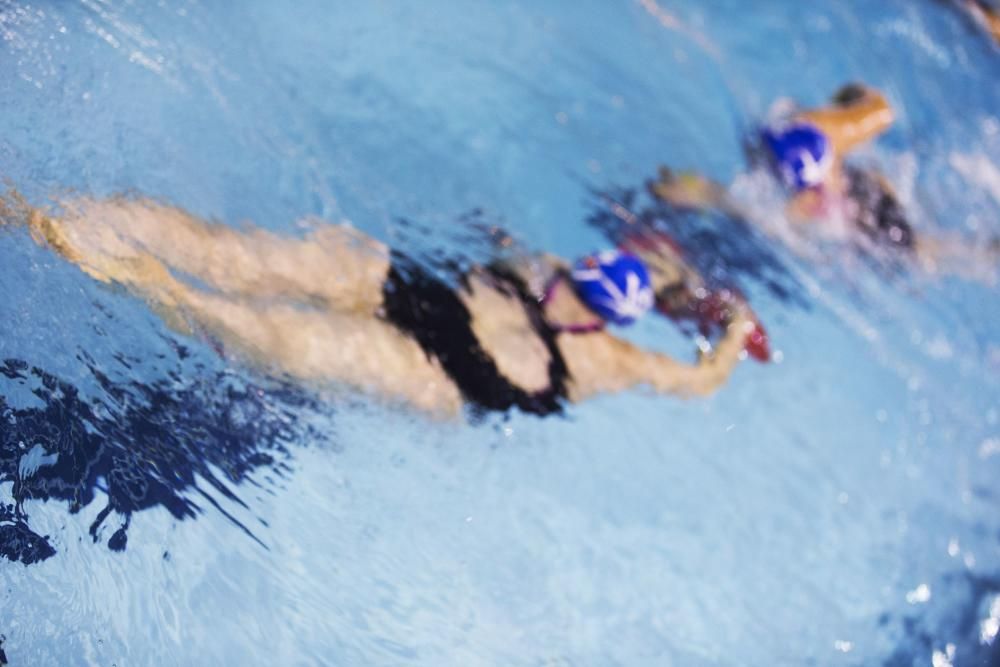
162, 505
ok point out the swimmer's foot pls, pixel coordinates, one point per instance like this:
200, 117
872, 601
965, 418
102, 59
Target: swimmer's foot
14, 210
46, 231
148, 277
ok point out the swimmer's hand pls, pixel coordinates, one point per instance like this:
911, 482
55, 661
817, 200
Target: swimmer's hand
723, 309
686, 189
714, 367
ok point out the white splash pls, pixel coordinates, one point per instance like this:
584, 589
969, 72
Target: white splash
35, 458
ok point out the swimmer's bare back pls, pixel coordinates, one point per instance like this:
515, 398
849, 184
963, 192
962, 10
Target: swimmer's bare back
311, 307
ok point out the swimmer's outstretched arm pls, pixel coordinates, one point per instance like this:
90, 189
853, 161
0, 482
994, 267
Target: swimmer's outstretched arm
600, 363
852, 123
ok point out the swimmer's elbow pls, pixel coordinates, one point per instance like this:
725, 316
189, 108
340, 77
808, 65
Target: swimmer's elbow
699, 380
713, 373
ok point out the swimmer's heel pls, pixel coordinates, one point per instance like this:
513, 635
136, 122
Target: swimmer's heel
15, 211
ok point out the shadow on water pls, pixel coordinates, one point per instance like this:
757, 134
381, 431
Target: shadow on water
960, 619
165, 443
724, 249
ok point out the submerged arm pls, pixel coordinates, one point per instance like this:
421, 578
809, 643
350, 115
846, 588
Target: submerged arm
600, 363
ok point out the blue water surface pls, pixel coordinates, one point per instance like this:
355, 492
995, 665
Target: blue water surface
838, 507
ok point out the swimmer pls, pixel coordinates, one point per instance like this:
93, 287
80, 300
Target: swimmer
984, 13
807, 152
338, 307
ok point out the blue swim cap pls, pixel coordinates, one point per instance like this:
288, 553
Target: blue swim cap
614, 285
801, 154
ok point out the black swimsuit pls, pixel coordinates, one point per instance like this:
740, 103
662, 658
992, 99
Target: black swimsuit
880, 215
428, 310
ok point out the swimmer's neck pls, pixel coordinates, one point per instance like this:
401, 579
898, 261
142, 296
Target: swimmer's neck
564, 310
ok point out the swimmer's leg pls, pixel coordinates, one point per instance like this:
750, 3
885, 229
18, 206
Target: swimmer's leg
957, 256
51, 232
308, 344
359, 351
335, 265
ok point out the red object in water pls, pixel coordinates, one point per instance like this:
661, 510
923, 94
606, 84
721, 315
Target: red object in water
715, 313
712, 313
758, 346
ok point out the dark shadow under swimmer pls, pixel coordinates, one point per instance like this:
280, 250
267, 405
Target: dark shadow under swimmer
720, 245
159, 451
876, 210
